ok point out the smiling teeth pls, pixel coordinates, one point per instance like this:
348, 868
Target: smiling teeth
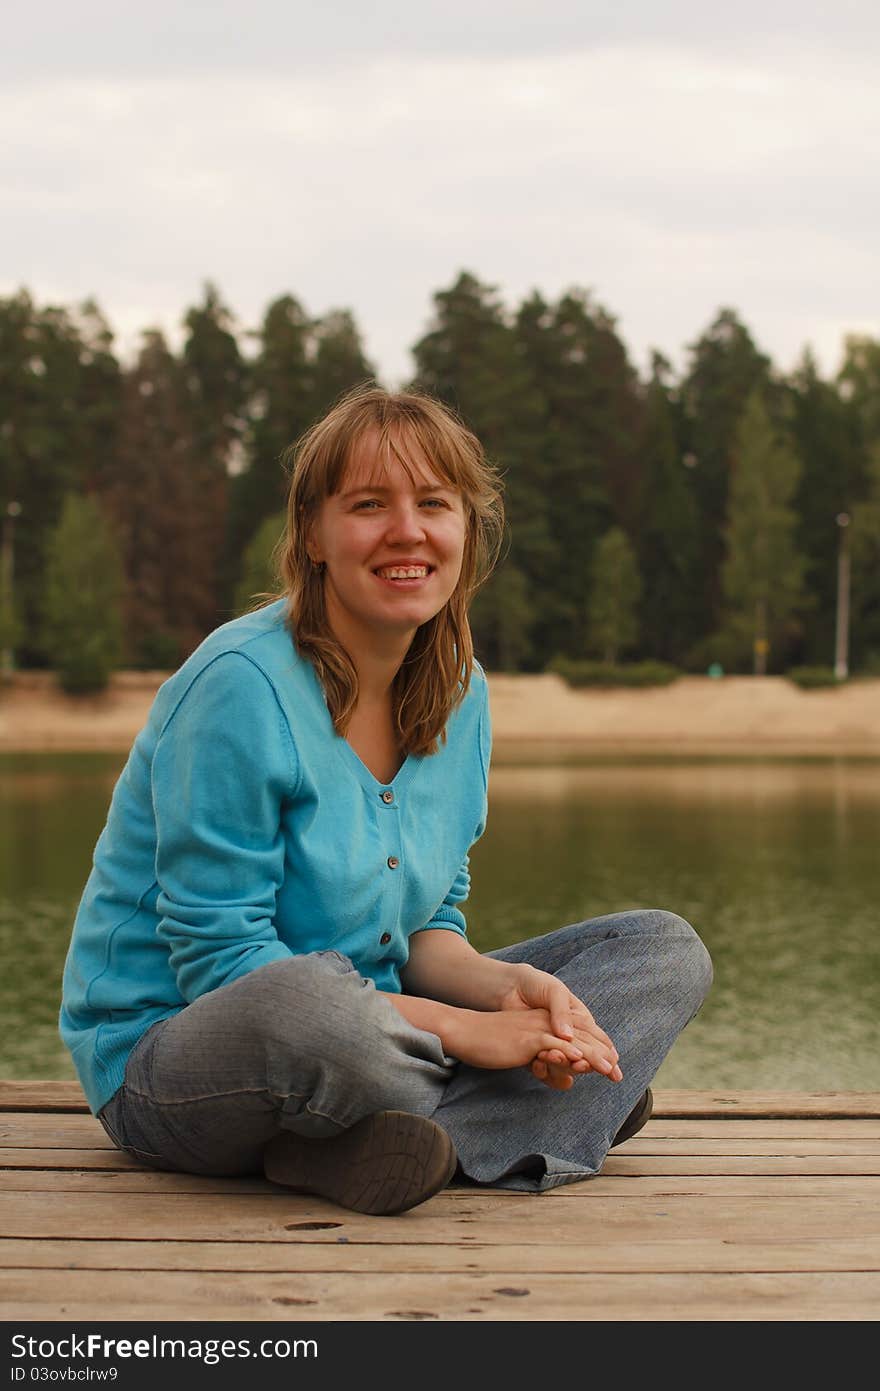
399, 572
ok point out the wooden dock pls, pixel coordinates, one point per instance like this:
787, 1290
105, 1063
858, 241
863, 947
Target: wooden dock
727, 1206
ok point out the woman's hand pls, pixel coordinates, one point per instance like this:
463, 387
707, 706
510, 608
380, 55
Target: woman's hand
510, 1038
569, 1019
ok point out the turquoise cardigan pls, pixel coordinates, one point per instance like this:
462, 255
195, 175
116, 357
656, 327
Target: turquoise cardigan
244, 830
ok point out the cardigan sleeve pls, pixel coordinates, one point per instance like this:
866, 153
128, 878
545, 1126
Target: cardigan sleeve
223, 765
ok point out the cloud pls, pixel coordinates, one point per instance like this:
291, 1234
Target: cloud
103, 38
668, 180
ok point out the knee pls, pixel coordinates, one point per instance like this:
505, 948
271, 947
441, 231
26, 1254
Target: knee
294, 1001
686, 953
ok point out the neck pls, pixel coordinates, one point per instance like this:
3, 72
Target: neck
377, 657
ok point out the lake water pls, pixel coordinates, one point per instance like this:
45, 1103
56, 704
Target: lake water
774, 863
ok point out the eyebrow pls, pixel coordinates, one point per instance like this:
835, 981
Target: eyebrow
374, 488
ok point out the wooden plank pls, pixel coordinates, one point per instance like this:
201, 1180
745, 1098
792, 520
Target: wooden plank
72, 1295
33, 1130
71, 1138
684, 1104
42, 1096
639, 1243
757, 1128
668, 1103
134, 1180
650, 1143
107, 1160
115, 1161
454, 1216
620, 1165
32, 1180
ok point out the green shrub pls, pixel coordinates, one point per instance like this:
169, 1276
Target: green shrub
811, 678
584, 673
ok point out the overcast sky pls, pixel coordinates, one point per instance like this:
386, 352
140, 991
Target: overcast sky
671, 157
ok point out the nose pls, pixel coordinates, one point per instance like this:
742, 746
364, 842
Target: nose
405, 524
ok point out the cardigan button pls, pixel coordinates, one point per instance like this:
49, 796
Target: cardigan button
387, 796
385, 939
392, 862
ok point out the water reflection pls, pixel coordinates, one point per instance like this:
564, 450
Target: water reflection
773, 862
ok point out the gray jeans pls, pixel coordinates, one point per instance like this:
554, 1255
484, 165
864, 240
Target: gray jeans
308, 1045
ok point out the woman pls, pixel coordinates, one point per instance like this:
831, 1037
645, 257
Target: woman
269, 969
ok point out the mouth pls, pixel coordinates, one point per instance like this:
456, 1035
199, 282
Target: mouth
405, 576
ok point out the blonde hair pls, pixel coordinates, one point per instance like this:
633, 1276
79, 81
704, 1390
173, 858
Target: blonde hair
436, 671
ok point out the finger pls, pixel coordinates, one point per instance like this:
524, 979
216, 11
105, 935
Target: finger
582, 1016
561, 1081
539, 1069
598, 1057
559, 1078
571, 1052
559, 999
587, 1022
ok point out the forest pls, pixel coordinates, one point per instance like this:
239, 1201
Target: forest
693, 518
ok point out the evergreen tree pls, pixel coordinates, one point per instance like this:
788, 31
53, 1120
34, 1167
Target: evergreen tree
470, 358
725, 368
216, 380
48, 442
339, 362
82, 602
502, 617
281, 408
865, 589
859, 383
668, 530
827, 442
259, 573
157, 505
99, 399
588, 457
614, 596
763, 570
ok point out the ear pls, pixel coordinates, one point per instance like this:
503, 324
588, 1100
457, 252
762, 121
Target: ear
313, 550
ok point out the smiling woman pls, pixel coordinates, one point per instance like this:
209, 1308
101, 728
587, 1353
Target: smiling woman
269, 969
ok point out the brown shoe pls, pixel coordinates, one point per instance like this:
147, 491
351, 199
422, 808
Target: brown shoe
387, 1163
638, 1116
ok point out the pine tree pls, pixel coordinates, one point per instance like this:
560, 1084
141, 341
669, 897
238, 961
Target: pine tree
281, 407
470, 358
46, 441
827, 442
865, 591
725, 368
668, 531
589, 460
216, 380
82, 601
156, 502
763, 571
259, 574
502, 618
614, 596
338, 359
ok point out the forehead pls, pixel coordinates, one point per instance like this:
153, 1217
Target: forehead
399, 458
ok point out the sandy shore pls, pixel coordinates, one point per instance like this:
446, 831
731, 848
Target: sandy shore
696, 715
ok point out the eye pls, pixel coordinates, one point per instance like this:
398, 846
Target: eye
366, 504
433, 502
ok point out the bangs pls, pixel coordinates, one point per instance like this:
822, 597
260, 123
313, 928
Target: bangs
395, 444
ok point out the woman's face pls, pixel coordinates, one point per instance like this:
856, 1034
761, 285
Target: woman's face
392, 545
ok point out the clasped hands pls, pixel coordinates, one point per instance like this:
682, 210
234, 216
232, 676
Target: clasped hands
538, 1023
